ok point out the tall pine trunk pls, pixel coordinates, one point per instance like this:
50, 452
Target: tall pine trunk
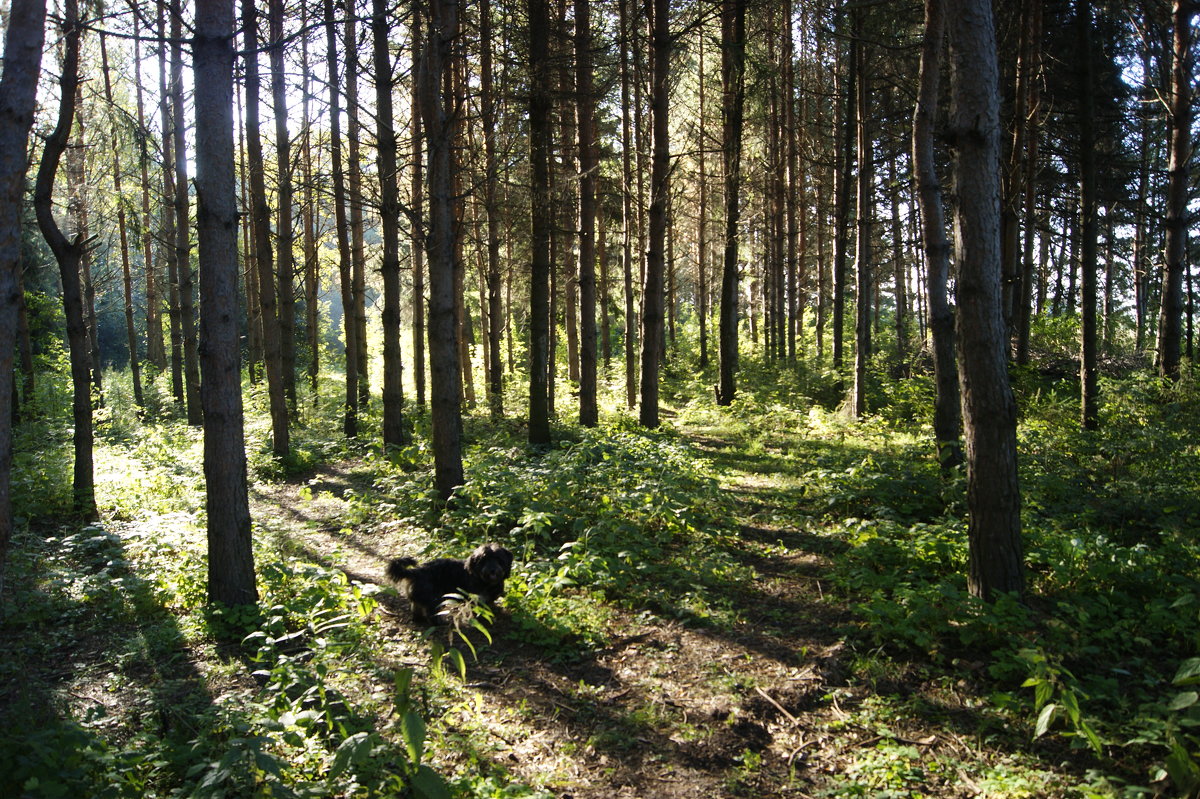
542, 220
947, 424
435, 73
389, 218
996, 562
350, 420
1171, 310
260, 220
733, 94
183, 249
588, 410
652, 302
284, 259
230, 557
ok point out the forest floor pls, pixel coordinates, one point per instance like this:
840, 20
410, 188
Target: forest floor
772, 704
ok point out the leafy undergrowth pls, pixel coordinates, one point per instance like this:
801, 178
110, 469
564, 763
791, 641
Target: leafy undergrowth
765, 600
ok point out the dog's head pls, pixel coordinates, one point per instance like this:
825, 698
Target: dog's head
490, 564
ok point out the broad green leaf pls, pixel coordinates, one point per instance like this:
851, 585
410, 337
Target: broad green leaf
412, 730
428, 784
1044, 720
1188, 673
1183, 700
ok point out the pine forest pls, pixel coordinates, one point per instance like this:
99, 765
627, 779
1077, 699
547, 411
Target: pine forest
582, 399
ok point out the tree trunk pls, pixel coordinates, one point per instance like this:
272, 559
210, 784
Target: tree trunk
1089, 225
308, 214
864, 280
418, 214
733, 94
389, 219
628, 219
68, 252
989, 410
495, 315
18, 99
260, 220
135, 367
542, 220
1171, 312
183, 250
436, 70
354, 198
167, 218
230, 557
845, 167
652, 302
350, 421
155, 351
589, 414
946, 419
285, 266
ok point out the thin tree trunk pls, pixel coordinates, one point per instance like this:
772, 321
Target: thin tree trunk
418, 214
155, 351
652, 302
285, 265
627, 215
260, 219
308, 214
589, 414
135, 366
1089, 224
864, 280
841, 241
230, 557
389, 218
996, 561
1171, 311
354, 198
68, 253
167, 240
733, 88
183, 250
350, 421
491, 181
946, 419
541, 221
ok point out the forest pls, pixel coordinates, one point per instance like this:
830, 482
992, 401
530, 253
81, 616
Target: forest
825, 366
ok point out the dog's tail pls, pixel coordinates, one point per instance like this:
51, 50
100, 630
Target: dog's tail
398, 568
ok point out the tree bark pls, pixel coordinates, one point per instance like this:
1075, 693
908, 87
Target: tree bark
1089, 225
135, 366
652, 302
284, 260
864, 279
495, 315
18, 99
542, 220
350, 420
68, 252
230, 557
260, 220
1171, 310
589, 414
946, 419
355, 200
628, 219
389, 218
733, 94
167, 218
989, 411
437, 107
156, 353
183, 250
418, 214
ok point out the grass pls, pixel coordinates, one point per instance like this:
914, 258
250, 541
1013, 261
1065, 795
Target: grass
753, 601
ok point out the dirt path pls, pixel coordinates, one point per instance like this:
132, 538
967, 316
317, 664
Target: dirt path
756, 708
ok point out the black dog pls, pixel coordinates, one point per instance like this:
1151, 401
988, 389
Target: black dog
427, 585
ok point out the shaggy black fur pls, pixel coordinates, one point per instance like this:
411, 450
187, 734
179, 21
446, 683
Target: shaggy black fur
427, 585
